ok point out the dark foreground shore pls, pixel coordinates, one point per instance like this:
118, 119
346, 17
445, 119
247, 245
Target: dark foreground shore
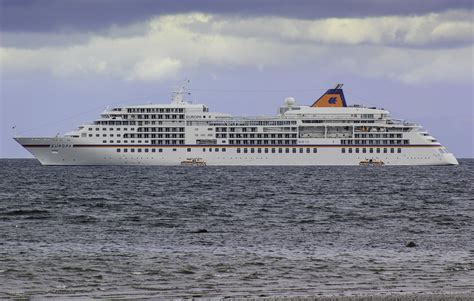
380, 297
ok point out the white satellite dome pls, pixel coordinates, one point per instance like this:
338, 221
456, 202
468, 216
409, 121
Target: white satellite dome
289, 101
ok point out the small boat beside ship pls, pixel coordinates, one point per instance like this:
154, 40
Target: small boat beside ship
371, 162
193, 162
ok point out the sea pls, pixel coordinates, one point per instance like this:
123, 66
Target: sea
139, 232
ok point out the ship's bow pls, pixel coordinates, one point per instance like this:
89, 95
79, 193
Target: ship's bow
38, 147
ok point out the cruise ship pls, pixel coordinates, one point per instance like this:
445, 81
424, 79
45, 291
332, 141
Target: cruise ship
325, 132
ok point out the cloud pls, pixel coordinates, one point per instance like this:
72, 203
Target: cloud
410, 49
87, 15
155, 69
447, 29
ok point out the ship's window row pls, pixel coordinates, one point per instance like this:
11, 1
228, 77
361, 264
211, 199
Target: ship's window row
280, 150
216, 149
261, 142
165, 142
338, 121
273, 150
378, 135
111, 129
260, 135
131, 141
255, 129
155, 110
160, 129
370, 150
139, 150
166, 116
146, 122
243, 123
374, 142
153, 135
375, 129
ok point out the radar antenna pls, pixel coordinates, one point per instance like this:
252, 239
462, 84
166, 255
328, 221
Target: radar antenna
180, 92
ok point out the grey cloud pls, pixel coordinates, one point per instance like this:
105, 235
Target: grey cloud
93, 15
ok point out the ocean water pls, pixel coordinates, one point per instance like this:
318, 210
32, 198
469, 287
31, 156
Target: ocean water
182, 232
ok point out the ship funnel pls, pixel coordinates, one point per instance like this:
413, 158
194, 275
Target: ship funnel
332, 98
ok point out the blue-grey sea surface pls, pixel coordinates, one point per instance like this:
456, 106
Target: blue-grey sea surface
179, 232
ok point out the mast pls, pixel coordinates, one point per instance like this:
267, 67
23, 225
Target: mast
178, 95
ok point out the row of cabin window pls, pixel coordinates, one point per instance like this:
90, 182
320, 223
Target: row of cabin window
216, 149
139, 150
181, 116
261, 135
370, 150
279, 150
338, 121
160, 129
105, 135
252, 129
153, 110
375, 142
117, 129
261, 142
154, 142
372, 135
125, 141
153, 135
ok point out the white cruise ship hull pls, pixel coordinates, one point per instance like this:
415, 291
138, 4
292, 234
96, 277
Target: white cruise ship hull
73, 151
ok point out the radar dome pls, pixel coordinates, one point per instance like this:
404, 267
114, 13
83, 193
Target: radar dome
289, 101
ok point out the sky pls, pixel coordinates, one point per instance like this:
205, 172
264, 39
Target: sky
62, 62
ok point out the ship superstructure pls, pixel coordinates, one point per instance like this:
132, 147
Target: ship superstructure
328, 132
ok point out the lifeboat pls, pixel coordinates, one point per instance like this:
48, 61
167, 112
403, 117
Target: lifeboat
193, 162
370, 162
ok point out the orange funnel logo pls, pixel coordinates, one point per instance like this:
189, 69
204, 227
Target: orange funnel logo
332, 98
